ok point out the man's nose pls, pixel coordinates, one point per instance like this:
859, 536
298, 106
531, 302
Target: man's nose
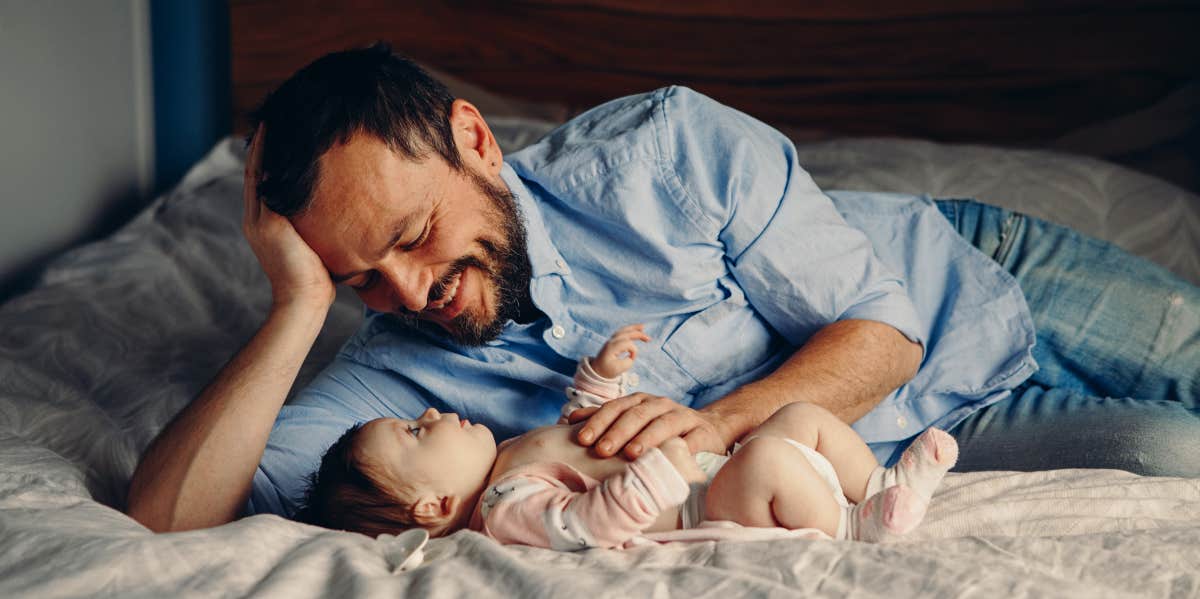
409, 285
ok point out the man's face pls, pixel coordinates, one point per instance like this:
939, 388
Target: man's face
418, 239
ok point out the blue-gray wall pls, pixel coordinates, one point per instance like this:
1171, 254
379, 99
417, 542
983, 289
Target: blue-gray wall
104, 104
190, 49
76, 126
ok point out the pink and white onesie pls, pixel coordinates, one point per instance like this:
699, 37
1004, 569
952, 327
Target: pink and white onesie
553, 505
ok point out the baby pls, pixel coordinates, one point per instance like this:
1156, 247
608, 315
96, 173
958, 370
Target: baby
800, 469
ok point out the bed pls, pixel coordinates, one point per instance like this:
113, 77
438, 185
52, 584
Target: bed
119, 334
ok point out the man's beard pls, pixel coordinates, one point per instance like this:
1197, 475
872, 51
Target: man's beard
509, 273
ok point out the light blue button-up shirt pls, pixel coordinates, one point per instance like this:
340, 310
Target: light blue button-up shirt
695, 219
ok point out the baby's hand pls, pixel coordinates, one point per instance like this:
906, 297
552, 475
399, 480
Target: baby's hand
619, 352
680, 456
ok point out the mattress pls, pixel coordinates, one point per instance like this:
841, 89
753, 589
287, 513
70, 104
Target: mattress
120, 334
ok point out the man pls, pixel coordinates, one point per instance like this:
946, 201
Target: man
486, 279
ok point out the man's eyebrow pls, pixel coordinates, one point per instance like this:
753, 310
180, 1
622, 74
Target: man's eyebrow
397, 233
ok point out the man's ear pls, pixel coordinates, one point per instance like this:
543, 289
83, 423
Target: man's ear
473, 137
434, 511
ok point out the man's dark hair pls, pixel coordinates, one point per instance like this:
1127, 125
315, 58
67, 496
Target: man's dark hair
342, 496
369, 91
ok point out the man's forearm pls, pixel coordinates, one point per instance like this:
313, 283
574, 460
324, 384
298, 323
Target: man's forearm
848, 367
198, 471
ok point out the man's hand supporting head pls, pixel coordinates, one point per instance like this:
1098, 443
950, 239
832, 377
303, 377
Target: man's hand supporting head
198, 472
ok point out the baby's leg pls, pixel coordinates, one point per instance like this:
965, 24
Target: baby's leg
816, 427
768, 483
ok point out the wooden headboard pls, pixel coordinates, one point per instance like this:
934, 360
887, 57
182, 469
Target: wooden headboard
997, 71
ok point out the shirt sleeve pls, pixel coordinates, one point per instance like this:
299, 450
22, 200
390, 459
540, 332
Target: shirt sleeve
799, 263
539, 509
590, 390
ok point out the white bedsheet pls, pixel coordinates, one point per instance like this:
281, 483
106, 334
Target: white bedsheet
119, 335
1075, 533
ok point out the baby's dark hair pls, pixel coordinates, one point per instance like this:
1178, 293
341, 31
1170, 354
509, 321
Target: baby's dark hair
342, 495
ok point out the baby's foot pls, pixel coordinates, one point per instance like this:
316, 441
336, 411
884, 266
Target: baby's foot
894, 511
921, 467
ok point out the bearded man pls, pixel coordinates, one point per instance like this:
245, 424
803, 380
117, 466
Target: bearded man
485, 279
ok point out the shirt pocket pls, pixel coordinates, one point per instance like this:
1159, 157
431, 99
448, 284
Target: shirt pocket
721, 342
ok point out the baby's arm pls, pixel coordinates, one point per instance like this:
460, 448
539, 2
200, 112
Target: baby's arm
602, 378
541, 509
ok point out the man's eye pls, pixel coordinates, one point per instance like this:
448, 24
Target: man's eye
416, 243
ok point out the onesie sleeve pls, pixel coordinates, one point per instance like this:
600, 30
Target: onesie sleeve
590, 390
551, 505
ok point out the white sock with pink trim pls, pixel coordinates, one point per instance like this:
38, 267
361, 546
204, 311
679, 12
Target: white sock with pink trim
891, 512
921, 467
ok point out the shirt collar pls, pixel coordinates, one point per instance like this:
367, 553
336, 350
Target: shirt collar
544, 258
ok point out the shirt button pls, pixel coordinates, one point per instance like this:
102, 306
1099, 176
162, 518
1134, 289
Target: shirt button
1176, 300
560, 263
558, 331
902, 422
632, 379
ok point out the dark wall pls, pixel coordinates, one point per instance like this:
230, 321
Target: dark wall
190, 53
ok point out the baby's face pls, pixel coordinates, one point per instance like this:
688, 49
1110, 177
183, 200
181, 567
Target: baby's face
436, 453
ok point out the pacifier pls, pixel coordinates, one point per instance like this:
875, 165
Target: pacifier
406, 550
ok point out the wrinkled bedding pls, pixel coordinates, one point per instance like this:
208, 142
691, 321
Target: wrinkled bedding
120, 334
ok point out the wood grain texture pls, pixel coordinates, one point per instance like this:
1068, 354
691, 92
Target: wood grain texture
970, 70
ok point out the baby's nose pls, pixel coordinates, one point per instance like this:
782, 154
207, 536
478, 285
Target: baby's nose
430, 414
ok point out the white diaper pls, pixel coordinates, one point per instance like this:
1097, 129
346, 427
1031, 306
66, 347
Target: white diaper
692, 511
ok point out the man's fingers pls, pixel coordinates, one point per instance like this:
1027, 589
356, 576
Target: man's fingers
603, 417
630, 423
668, 425
252, 175
254, 154
581, 414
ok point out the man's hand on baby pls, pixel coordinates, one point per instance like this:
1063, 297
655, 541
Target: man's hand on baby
639, 421
619, 352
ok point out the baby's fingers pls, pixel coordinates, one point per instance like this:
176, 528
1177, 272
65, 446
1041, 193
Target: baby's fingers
622, 347
630, 334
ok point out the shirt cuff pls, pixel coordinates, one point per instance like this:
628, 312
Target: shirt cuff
894, 310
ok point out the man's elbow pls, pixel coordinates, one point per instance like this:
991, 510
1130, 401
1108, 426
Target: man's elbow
910, 359
150, 511
161, 514
904, 354
156, 520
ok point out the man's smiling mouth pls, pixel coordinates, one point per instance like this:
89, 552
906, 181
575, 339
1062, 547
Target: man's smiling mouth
449, 295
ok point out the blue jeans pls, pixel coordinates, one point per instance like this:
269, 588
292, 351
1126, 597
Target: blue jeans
1118, 345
